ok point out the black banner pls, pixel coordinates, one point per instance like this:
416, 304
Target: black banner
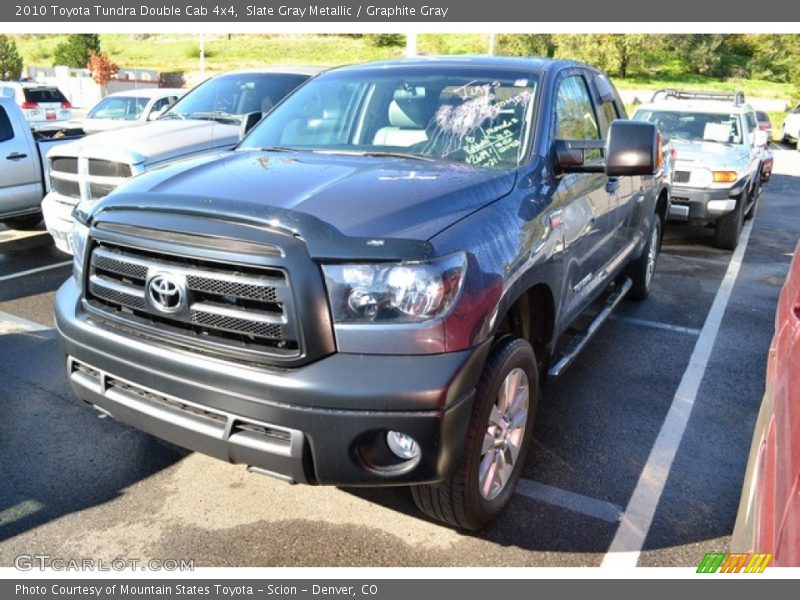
395, 11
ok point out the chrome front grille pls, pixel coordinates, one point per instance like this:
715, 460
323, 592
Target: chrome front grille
87, 178
107, 168
65, 187
66, 165
231, 307
101, 190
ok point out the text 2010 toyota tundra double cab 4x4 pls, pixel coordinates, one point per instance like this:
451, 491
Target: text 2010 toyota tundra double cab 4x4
372, 287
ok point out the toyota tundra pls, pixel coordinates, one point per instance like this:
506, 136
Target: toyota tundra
372, 288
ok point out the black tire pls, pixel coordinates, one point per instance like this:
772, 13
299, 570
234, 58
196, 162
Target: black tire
751, 212
729, 226
23, 223
458, 501
639, 271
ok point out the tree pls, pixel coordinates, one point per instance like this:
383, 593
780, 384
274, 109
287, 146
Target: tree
774, 56
10, 60
535, 44
75, 51
101, 68
616, 54
701, 53
383, 40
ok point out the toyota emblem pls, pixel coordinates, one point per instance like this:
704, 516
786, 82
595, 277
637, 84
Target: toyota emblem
166, 293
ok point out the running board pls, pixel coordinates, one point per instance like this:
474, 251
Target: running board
580, 340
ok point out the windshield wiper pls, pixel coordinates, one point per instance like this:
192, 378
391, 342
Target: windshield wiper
173, 115
215, 115
378, 153
274, 149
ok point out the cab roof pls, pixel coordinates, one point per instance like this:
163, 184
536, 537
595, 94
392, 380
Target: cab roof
699, 106
532, 63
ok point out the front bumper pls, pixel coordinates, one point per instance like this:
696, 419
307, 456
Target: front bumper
57, 211
320, 423
702, 205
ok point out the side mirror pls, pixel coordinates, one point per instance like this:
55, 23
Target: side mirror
248, 122
156, 113
761, 138
633, 148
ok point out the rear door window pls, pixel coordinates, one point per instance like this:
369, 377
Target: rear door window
6, 131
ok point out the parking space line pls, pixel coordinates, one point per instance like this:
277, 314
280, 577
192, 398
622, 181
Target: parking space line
13, 236
599, 509
678, 252
12, 323
655, 324
36, 270
626, 547
19, 511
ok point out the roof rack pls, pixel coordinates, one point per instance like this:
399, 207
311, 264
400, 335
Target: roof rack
736, 97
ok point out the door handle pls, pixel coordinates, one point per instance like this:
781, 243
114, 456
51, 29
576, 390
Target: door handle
612, 185
16, 156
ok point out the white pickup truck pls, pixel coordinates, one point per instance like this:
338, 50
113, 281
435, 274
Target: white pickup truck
210, 118
23, 173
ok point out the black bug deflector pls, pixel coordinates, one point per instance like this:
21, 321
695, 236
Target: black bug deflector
250, 221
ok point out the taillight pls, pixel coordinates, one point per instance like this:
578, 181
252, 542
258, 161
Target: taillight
66, 104
29, 105
764, 126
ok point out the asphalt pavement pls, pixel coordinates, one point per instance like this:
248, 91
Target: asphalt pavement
75, 484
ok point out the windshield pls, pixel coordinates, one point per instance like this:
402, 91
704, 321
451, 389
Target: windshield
709, 127
477, 117
232, 96
124, 108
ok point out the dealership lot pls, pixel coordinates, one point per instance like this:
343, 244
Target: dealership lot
76, 485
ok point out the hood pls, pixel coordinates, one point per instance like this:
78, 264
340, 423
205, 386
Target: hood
95, 125
155, 141
713, 155
359, 196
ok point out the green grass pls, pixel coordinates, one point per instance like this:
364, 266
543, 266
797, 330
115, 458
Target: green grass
751, 87
180, 52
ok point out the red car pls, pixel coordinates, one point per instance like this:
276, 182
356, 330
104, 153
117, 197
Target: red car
764, 124
769, 511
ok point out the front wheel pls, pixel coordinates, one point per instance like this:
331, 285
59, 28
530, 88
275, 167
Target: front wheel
497, 442
751, 212
641, 271
729, 226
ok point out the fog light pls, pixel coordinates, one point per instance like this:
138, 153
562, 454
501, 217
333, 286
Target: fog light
402, 445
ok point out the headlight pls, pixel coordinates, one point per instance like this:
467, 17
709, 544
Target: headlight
78, 238
394, 292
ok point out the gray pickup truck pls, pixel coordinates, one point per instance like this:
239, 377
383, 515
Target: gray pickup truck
23, 172
372, 288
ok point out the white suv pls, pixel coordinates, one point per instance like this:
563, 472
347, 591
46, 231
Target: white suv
790, 130
718, 149
41, 104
